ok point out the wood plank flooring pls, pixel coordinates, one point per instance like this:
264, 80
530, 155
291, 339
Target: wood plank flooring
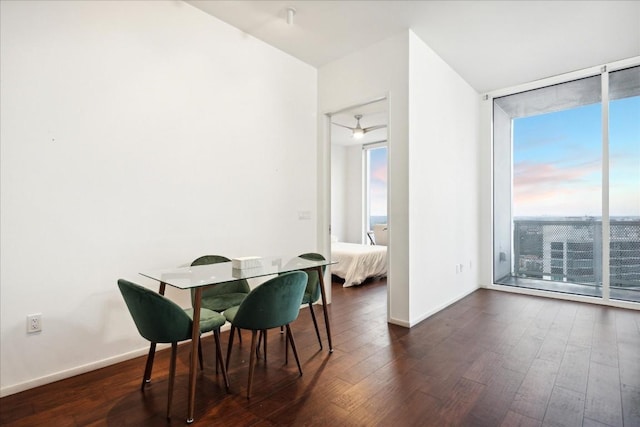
492, 359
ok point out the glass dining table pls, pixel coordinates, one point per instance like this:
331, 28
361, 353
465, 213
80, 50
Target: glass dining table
197, 277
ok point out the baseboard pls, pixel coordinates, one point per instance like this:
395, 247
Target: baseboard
442, 307
398, 322
405, 324
47, 379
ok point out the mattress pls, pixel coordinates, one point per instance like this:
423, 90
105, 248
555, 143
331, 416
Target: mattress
355, 262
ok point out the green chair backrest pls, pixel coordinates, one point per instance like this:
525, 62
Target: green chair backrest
240, 286
157, 318
274, 303
312, 284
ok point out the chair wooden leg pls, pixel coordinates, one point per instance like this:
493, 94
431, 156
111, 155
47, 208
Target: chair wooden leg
200, 353
293, 347
216, 335
252, 361
286, 349
230, 345
146, 378
315, 323
239, 335
172, 376
262, 341
217, 360
264, 345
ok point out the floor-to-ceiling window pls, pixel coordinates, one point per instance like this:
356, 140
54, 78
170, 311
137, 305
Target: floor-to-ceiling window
624, 183
375, 158
567, 186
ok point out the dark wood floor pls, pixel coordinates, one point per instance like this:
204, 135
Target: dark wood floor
491, 359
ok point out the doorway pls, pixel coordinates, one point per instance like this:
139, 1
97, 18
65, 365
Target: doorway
359, 143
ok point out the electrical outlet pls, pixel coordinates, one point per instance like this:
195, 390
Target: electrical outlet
34, 323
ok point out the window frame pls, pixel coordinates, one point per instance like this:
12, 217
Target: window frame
366, 148
602, 70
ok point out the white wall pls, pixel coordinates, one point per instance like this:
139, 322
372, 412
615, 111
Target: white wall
443, 180
339, 192
378, 70
347, 196
355, 195
433, 168
136, 136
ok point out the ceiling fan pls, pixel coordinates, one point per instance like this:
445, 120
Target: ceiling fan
358, 131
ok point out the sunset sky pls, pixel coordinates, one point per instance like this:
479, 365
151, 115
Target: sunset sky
378, 181
557, 160
558, 163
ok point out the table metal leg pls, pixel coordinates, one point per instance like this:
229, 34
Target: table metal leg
324, 307
195, 336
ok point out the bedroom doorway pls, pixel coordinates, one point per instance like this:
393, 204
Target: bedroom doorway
359, 147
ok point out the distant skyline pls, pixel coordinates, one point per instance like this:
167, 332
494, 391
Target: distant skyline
557, 161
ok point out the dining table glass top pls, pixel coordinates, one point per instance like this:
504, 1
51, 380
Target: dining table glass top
211, 274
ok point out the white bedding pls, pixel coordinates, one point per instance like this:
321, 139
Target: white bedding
358, 262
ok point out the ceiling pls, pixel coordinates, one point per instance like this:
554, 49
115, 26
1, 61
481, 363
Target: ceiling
491, 44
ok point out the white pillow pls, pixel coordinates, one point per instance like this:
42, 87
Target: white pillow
380, 234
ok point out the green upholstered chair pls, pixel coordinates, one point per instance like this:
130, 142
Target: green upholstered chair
274, 303
223, 295
160, 320
311, 295
312, 291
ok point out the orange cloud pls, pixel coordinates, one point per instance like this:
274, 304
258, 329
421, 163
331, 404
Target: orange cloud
556, 187
379, 174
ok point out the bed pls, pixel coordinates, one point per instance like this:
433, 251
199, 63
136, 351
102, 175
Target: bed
358, 262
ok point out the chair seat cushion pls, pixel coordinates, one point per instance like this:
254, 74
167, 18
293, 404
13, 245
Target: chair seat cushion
230, 313
220, 303
209, 319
